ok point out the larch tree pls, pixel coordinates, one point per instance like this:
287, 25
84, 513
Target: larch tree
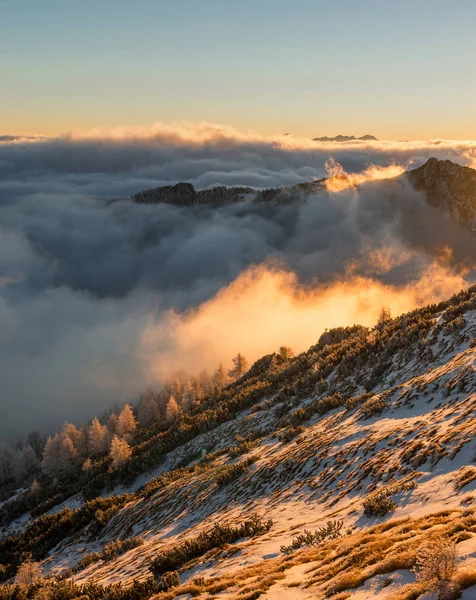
120, 451
173, 411
112, 424
188, 397
30, 464
126, 423
285, 353
58, 456
384, 317
147, 410
28, 573
8, 463
98, 438
220, 379
240, 366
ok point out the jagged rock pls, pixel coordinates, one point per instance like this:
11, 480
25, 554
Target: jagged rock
448, 186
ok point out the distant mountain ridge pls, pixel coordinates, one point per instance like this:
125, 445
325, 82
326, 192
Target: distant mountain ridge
346, 138
447, 185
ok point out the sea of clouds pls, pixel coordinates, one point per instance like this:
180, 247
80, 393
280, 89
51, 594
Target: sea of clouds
101, 297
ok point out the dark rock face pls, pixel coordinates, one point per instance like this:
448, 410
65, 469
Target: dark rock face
184, 194
448, 186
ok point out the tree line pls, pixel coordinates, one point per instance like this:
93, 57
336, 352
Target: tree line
72, 448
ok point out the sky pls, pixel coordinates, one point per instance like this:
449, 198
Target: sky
397, 70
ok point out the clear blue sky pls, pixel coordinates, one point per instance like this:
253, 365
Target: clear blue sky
397, 69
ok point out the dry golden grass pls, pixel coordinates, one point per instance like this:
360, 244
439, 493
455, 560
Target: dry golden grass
345, 564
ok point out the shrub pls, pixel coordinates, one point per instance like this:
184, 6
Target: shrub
373, 407
217, 537
168, 581
378, 505
437, 560
229, 473
290, 433
307, 539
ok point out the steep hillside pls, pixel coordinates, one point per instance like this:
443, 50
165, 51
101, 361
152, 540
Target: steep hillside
366, 440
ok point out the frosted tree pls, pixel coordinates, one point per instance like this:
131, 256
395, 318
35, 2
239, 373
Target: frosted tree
220, 379
30, 464
35, 488
83, 441
188, 397
240, 366
384, 317
37, 442
285, 353
120, 451
58, 456
172, 412
126, 423
204, 382
28, 573
8, 463
112, 423
147, 410
98, 438
198, 392
74, 434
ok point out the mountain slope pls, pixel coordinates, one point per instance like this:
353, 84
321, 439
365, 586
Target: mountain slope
372, 428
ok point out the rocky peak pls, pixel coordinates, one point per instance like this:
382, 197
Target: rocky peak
448, 186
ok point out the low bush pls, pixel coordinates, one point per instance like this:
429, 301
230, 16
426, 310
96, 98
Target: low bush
179, 555
331, 531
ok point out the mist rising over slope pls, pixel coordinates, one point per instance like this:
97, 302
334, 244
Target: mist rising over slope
98, 299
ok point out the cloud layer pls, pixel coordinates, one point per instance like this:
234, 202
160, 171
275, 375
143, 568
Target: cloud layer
100, 297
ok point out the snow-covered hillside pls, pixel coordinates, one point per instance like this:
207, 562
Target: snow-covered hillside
370, 435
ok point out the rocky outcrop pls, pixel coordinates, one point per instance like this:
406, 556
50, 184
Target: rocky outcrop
448, 186
184, 194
